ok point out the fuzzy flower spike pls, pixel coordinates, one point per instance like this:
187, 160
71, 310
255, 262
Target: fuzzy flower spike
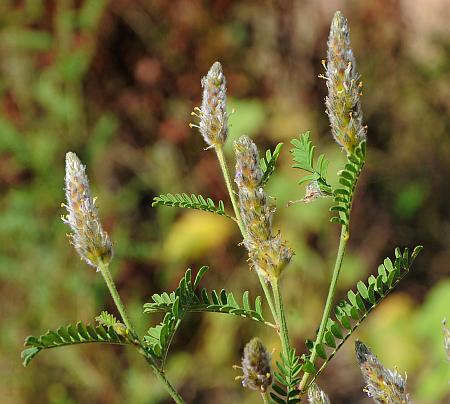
343, 103
268, 254
257, 374
88, 237
385, 386
213, 115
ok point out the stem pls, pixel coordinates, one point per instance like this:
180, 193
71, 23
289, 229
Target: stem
281, 318
162, 378
264, 398
268, 296
331, 292
240, 222
226, 176
104, 269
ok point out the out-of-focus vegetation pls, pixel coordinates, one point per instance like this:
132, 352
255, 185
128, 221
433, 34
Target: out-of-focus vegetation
115, 82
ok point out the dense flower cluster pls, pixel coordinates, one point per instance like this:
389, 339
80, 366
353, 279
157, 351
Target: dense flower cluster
344, 87
257, 374
88, 237
268, 254
213, 115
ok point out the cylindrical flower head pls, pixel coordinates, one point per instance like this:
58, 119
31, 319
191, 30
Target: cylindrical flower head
316, 395
257, 374
213, 115
267, 253
385, 386
88, 237
344, 87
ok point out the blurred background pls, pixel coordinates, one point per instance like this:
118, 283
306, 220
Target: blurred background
115, 81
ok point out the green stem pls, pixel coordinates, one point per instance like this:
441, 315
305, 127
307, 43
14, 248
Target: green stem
240, 222
226, 176
162, 378
104, 269
283, 330
268, 296
328, 305
264, 398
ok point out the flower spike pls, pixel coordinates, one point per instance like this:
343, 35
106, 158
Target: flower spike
88, 237
213, 115
257, 374
343, 103
268, 254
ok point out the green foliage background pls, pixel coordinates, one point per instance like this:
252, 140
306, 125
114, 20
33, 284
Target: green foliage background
115, 82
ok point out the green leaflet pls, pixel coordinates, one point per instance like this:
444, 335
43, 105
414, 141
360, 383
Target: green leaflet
158, 338
348, 177
303, 156
268, 163
214, 302
287, 378
71, 335
106, 319
190, 202
185, 299
350, 313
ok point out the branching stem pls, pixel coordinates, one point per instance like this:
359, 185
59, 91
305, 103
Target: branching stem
104, 269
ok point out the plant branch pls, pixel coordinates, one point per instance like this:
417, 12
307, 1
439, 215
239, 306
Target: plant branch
329, 303
162, 378
104, 269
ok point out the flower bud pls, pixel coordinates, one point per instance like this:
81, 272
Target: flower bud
88, 237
